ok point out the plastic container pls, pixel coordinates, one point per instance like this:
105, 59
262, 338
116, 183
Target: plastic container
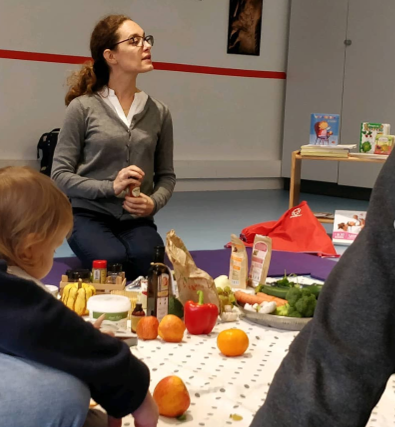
99, 271
115, 308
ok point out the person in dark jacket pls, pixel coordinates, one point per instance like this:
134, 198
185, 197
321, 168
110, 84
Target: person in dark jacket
338, 366
51, 360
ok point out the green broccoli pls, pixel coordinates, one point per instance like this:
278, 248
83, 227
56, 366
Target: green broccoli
282, 310
293, 295
287, 311
306, 305
306, 292
301, 303
315, 288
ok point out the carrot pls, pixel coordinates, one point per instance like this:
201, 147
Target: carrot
244, 298
279, 301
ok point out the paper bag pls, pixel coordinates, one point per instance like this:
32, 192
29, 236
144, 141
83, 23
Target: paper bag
190, 278
238, 268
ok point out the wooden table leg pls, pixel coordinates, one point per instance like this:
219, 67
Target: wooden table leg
294, 187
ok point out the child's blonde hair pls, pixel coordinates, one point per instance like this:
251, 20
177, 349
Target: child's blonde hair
29, 203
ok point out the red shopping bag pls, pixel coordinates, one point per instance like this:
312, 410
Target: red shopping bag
298, 230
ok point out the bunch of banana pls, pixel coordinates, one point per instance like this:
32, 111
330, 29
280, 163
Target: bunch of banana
76, 295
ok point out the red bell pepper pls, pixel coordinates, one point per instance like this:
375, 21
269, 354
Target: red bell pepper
200, 318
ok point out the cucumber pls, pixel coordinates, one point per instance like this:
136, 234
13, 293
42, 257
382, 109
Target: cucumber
274, 291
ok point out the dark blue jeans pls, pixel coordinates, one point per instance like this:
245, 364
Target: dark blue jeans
100, 236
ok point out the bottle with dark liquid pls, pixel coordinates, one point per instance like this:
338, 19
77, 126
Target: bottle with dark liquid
158, 286
137, 315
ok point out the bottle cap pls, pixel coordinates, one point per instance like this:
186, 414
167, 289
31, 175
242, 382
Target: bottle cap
79, 273
99, 263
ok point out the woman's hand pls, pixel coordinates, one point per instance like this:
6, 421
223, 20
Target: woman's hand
140, 206
127, 176
147, 414
98, 323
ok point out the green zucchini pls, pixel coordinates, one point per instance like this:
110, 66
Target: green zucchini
274, 291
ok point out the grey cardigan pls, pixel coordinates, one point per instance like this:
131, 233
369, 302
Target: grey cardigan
338, 366
94, 145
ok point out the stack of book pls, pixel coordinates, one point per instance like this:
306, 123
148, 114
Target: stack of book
340, 151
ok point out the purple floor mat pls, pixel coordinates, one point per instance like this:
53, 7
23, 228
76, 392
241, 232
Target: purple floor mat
321, 271
216, 262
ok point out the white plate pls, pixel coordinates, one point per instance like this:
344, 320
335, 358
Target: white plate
273, 321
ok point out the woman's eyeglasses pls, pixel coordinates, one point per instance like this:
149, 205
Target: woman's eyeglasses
138, 41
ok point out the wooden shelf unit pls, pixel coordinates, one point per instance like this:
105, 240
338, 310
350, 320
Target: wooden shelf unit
296, 172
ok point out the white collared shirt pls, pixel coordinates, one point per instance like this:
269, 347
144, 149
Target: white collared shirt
17, 271
138, 104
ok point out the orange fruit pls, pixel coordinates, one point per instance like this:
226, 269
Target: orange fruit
147, 328
171, 328
171, 396
232, 342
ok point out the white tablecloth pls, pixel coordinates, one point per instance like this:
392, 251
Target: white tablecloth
220, 386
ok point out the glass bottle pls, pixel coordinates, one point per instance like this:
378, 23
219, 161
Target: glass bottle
158, 286
137, 315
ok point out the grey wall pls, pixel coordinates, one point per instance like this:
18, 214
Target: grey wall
314, 76
325, 76
369, 85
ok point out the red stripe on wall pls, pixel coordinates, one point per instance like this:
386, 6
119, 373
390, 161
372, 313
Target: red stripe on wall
219, 71
42, 57
164, 66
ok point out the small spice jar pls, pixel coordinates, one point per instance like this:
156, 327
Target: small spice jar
134, 191
99, 271
137, 315
113, 271
74, 275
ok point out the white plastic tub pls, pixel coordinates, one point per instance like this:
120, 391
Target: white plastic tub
115, 308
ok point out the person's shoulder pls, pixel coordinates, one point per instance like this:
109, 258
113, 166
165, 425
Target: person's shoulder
75, 105
84, 105
156, 103
159, 110
8, 280
85, 101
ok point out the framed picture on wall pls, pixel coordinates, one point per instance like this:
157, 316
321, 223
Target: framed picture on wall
245, 26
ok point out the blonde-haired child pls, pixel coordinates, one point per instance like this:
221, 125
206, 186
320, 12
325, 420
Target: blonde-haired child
52, 361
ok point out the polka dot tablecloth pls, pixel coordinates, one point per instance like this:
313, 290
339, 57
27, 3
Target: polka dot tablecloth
220, 386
